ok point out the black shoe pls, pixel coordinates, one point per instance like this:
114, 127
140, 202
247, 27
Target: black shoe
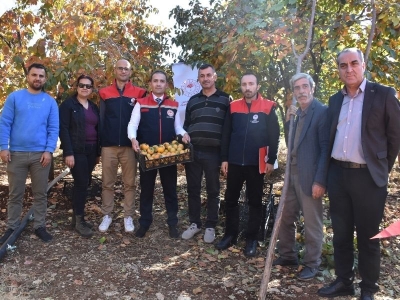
336, 288
251, 248
141, 232
43, 234
226, 242
173, 232
366, 295
6, 235
83, 222
307, 273
280, 261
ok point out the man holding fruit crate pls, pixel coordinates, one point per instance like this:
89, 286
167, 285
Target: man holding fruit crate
155, 121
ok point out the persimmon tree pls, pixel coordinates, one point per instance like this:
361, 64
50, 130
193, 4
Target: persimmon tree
78, 37
255, 34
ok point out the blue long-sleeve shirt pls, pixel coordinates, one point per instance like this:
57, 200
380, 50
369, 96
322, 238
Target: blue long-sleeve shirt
29, 122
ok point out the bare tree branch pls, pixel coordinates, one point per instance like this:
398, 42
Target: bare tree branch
371, 33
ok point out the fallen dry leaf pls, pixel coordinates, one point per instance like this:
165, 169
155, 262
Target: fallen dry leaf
197, 290
229, 283
202, 264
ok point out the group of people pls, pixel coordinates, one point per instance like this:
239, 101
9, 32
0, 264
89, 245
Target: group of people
346, 149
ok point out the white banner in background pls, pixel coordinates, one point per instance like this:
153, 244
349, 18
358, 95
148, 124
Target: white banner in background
185, 79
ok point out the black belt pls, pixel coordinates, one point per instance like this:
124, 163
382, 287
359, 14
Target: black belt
349, 164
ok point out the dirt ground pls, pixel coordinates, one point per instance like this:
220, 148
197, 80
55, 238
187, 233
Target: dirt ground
116, 265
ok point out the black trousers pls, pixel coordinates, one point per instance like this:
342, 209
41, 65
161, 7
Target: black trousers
168, 176
208, 163
82, 173
237, 175
356, 201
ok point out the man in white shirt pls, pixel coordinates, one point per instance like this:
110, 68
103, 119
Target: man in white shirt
155, 121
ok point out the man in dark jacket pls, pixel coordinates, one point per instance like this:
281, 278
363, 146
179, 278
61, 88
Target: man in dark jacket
116, 104
154, 122
204, 118
364, 143
251, 124
307, 181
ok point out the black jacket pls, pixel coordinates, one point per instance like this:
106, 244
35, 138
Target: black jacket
72, 126
115, 112
246, 130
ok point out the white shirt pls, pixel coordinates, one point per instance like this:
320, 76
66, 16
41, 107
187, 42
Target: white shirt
134, 122
347, 145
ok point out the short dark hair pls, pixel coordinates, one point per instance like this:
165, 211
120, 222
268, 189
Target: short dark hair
83, 76
37, 66
354, 50
205, 66
251, 73
158, 72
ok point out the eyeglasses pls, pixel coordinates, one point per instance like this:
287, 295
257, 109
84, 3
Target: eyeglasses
87, 86
123, 69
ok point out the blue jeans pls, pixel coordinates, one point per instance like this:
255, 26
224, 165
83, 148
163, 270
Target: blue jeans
168, 177
209, 163
82, 172
18, 168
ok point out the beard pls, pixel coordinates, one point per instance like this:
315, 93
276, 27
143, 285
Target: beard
36, 86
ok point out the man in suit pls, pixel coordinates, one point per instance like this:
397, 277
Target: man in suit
308, 159
364, 143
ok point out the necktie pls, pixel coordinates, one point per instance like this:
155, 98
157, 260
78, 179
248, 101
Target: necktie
158, 101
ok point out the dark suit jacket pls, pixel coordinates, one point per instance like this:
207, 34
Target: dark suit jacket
312, 150
380, 128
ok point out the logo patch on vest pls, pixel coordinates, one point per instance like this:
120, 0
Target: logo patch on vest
170, 113
255, 119
132, 102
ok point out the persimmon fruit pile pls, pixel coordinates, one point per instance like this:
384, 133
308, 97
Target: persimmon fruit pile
162, 150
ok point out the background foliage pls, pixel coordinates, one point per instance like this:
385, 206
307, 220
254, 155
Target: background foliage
78, 37
239, 35
89, 36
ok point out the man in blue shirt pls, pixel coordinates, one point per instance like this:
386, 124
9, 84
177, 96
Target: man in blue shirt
28, 137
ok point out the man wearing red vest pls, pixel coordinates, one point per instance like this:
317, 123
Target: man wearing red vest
250, 124
154, 121
116, 104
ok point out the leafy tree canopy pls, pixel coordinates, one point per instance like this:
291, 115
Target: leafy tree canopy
78, 36
239, 35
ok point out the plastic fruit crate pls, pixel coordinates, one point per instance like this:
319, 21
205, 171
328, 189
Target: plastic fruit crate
165, 161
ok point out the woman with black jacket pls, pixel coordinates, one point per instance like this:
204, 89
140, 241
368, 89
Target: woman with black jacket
79, 135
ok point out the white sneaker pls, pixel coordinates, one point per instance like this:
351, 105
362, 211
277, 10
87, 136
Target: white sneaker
103, 227
190, 232
209, 235
128, 223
